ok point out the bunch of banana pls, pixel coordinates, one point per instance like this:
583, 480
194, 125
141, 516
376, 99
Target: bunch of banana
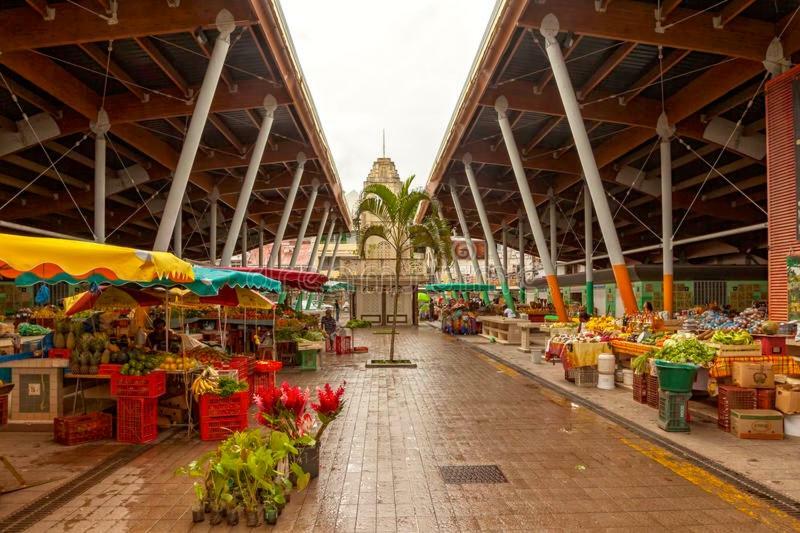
206, 383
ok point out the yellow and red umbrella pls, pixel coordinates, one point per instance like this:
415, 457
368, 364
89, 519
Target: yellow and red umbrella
109, 298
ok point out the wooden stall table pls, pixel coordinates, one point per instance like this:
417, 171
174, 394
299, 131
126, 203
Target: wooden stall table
504, 330
580, 354
628, 350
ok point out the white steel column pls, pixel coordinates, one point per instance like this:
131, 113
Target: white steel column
177, 233
501, 105
270, 104
588, 245
287, 209
325, 246
213, 198
304, 224
473, 256
100, 128
487, 230
521, 238
244, 243
225, 25
505, 248
553, 228
330, 266
549, 29
261, 242
320, 231
665, 131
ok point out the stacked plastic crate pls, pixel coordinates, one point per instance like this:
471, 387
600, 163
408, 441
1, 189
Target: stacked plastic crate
137, 405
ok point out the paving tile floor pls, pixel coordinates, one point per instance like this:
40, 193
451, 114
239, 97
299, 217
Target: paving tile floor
567, 468
773, 464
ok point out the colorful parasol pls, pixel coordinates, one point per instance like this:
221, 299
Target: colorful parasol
50, 259
109, 298
227, 297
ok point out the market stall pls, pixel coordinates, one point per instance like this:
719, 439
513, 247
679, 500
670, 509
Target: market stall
501, 329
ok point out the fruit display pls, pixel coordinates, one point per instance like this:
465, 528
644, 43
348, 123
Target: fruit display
48, 311
732, 336
207, 355
579, 338
206, 383
26, 329
140, 363
170, 362
601, 324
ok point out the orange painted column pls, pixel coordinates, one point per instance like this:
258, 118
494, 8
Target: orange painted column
665, 151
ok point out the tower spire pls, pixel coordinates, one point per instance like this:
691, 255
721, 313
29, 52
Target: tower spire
384, 142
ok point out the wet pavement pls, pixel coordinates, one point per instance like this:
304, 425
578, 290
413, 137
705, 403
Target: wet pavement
566, 467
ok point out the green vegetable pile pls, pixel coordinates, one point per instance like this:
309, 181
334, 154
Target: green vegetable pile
357, 324
685, 348
140, 364
31, 330
639, 364
313, 335
228, 386
732, 336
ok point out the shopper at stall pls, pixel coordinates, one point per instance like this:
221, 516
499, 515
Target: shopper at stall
583, 316
329, 324
508, 313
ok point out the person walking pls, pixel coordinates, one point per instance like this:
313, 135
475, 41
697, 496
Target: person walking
329, 324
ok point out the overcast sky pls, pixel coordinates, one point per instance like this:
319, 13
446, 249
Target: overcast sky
375, 64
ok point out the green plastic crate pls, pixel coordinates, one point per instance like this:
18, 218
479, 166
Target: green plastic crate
675, 377
672, 411
308, 359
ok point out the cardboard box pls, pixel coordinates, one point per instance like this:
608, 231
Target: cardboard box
761, 424
753, 375
787, 399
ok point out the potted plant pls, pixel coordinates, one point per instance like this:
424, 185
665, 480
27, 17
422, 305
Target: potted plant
395, 215
329, 405
198, 509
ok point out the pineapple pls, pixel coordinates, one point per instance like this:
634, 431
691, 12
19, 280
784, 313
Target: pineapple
94, 361
74, 363
84, 358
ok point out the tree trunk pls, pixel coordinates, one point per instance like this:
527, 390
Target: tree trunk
394, 311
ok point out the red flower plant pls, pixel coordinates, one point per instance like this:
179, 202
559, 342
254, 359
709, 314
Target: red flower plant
329, 406
284, 408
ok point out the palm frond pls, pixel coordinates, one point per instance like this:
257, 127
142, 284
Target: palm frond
407, 185
409, 204
376, 207
384, 194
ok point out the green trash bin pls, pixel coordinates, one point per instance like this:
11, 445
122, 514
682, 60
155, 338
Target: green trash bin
308, 359
675, 377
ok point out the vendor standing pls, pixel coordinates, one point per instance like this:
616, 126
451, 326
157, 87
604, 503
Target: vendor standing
329, 324
157, 339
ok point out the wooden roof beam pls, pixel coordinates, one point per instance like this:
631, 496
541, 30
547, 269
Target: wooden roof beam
730, 11
654, 74
605, 69
631, 20
164, 64
667, 7
23, 28
543, 132
101, 58
226, 132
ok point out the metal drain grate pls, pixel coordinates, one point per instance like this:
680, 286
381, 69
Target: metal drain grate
462, 474
38, 509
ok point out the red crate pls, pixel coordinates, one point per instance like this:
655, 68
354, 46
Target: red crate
220, 428
267, 379
652, 391
772, 344
215, 406
137, 420
360, 349
731, 397
640, 388
4, 410
344, 344
765, 398
151, 385
71, 430
239, 363
59, 353
108, 369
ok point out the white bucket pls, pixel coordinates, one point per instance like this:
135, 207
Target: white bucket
791, 425
605, 381
606, 363
536, 357
627, 377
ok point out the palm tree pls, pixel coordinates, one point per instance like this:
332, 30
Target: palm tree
395, 214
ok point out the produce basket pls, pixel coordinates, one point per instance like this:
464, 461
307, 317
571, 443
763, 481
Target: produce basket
214, 405
137, 420
765, 399
652, 391
308, 359
71, 430
220, 428
673, 410
675, 377
640, 388
586, 376
731, 397
151, 385
108, 369
736, 350
343, 345
59, 353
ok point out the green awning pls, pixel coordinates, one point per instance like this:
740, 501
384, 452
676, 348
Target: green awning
460, 287
333, 286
